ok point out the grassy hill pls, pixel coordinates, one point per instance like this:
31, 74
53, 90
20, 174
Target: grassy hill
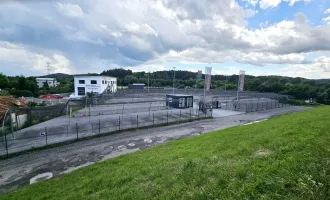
287, 157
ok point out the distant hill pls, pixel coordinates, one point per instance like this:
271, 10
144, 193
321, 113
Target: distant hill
321, 81
58, 76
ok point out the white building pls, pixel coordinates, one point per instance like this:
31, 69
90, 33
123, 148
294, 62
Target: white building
95, 84
51, 82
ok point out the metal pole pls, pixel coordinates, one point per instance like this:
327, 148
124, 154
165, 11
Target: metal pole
77, 130
46, 134
6, 144
11, 124
180, 117
153, 119
190, 114
99, 126
173, 78
119, 123
137, 121
204, 84
148, 80
167, 117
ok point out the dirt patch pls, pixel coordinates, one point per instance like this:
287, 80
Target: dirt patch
262, 152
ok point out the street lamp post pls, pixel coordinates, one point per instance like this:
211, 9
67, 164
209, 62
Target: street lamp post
148, 80
173, 78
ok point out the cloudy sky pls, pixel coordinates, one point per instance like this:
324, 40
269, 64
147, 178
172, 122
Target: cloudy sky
262, 37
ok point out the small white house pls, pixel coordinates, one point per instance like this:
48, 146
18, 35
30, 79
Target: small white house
95, 84
51, 82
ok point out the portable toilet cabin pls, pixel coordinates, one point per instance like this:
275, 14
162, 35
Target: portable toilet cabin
179, 101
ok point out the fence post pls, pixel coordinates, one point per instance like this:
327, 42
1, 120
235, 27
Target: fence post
153, 119
137, 121
167, 117
99, 126
6, 144
46, 134
119, 123
190, 114
180, 117
258, 105
77, 130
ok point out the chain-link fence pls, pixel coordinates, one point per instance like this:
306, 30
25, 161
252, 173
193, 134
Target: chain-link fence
250, 105
40, 136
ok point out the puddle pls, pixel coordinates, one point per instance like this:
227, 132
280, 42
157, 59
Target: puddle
255, 122
147, 140
41, 177
131, 144
71, 169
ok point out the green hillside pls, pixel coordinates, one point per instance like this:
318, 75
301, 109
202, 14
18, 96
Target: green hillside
287, 157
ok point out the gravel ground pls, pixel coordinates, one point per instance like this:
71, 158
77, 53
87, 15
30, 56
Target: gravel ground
17, 171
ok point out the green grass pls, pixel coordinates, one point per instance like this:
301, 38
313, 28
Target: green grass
219, 165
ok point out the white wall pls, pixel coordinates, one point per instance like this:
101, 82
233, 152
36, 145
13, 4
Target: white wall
51, 82
99, 87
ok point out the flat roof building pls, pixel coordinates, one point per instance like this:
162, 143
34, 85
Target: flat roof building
95, 84
50, 81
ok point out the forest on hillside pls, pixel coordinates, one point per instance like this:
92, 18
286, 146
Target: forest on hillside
300, 88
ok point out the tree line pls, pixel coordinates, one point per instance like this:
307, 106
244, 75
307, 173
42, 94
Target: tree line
27, 86
300, 88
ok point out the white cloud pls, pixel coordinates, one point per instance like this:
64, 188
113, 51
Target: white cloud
320, 68
137, 34
18, 55
327, 11
264, 4
269, 3
252, 2
70, 10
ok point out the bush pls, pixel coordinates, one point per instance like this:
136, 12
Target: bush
31, 104
4, 93
20, 93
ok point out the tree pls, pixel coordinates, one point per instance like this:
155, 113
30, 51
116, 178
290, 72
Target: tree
4, 81
45, 86
21, 83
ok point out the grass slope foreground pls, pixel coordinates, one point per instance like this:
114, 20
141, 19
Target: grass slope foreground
287, 157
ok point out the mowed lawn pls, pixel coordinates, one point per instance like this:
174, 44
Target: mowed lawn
287, 157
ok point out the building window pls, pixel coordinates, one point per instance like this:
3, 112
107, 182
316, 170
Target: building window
102, 81
81, 91
105, 82
81, 81
93, 82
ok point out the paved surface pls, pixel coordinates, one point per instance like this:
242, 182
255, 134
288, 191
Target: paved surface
59, 130
18, 171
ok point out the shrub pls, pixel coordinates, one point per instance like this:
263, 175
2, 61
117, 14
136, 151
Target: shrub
20, 93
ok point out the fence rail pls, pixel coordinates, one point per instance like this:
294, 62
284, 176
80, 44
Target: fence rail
24, 140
